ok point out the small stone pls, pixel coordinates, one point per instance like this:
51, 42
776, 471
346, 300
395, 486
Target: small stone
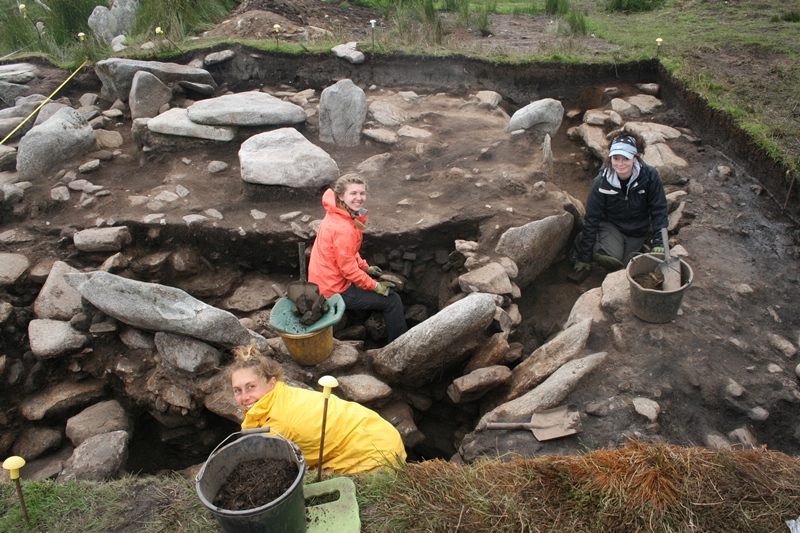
166, 196
759, 414
598, 409
715, 441
300, 231
734, 389
213, 213
217, 166
77, 185
744, 436
155, 217
59, 194
193, 219
286, 217
647, 408
743, 288
258, 215
89, 166
181, 191
772, 368
782, 345
136, 201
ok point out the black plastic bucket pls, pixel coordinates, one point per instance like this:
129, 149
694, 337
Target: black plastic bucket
285, 514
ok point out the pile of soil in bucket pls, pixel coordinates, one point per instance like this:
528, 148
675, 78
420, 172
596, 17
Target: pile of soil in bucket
256, 483
651, 280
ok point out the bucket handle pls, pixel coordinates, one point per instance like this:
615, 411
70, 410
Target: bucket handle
651, 256
248, 431
265, 429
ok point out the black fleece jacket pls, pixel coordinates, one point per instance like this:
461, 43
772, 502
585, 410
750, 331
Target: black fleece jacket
632, 211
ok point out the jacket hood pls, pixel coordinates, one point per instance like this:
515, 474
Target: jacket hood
613, 179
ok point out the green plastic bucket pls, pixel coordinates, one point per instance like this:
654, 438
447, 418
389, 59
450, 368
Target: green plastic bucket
652, 305
285, 514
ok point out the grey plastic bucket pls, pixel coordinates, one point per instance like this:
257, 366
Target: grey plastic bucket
285, 514
653, 305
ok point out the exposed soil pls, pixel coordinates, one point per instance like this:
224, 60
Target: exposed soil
651, 280
743, 250
254, 484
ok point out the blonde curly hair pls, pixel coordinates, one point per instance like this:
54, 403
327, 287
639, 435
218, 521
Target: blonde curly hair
249, 357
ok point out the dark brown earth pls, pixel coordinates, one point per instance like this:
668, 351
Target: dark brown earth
256, 483
734, 231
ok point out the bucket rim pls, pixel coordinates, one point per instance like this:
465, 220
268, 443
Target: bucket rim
683, 287
305, 335
301, 467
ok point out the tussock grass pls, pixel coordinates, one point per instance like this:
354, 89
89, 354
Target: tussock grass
642, 487
181, 18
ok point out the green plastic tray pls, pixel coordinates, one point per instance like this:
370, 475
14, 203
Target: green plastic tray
339, 516
282, 320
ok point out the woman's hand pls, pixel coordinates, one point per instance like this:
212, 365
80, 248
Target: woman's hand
579, 265
384, 288
374, 271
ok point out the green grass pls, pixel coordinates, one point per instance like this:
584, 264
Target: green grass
156, 504
640, 487
628, 6
556, 7
732, 54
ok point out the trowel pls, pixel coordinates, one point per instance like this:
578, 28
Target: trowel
549, 424
671, 267
302, 288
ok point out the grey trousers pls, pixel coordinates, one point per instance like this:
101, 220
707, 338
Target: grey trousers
611, 241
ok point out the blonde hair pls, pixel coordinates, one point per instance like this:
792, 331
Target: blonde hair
249, 357
341, 183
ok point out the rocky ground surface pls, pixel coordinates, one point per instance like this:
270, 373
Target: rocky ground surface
722, 373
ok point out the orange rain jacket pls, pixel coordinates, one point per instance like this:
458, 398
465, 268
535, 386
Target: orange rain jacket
335, 262
356, 438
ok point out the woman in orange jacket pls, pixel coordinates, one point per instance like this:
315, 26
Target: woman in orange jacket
336, 266
357, 439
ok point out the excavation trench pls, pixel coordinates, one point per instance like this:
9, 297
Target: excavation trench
418, 210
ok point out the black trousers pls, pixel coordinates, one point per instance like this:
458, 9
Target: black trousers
392, 307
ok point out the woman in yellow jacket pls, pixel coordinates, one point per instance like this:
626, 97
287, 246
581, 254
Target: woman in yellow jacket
357, 439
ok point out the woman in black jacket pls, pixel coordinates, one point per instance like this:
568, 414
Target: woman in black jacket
625, 200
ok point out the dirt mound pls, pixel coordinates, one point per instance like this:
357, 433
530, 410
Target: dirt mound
313, 12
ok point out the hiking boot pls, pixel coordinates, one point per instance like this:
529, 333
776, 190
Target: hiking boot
608, 262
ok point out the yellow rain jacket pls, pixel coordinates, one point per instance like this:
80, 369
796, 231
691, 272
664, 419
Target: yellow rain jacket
356, 438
